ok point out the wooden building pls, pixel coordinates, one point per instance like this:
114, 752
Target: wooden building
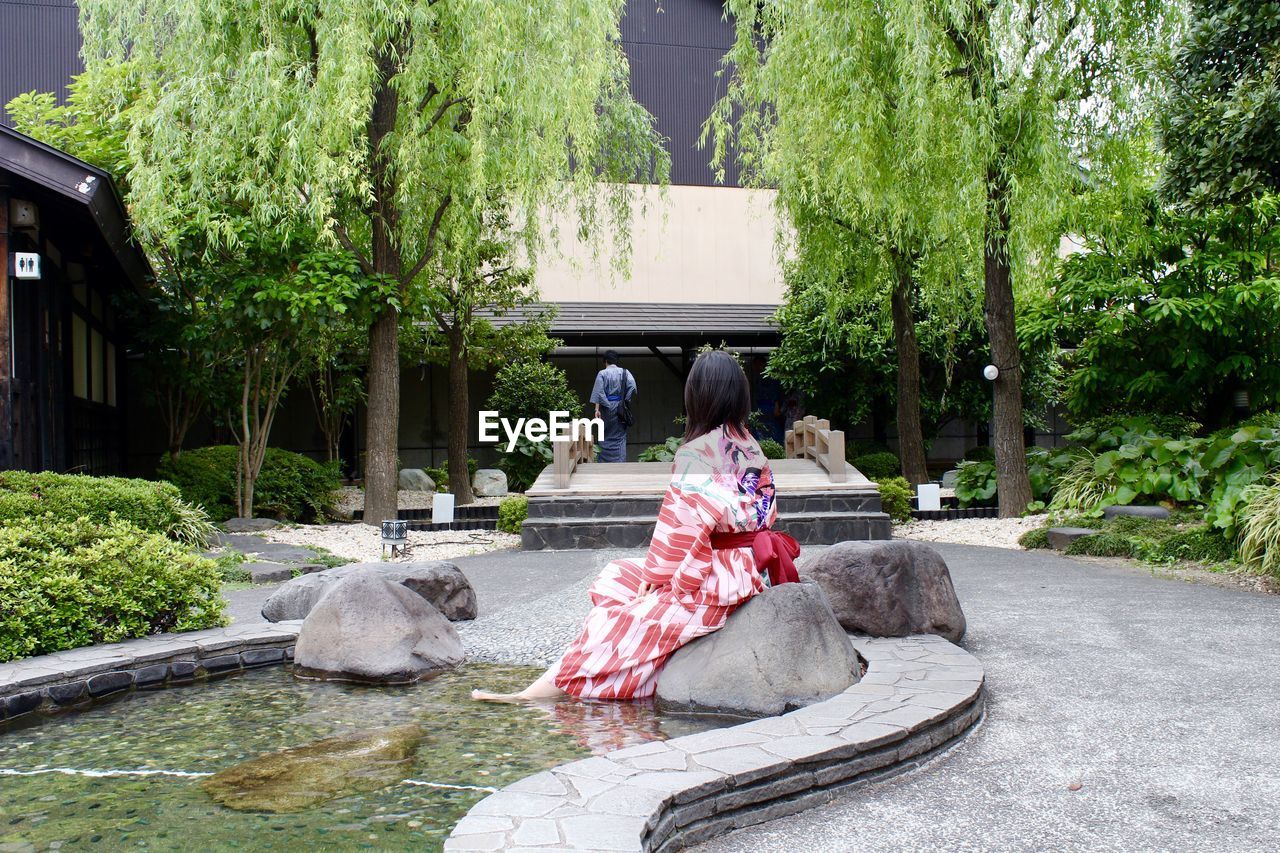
69, 258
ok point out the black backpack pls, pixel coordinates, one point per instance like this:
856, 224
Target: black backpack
626, 417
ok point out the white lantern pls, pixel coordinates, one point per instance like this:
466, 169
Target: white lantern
991, 372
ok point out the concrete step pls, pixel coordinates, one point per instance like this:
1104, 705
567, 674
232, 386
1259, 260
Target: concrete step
627, 506
635, 531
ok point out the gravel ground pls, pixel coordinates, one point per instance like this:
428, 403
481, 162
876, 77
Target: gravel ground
361, 542
991, 532
535, 632
351, 498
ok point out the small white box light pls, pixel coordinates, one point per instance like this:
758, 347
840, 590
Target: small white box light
26, 265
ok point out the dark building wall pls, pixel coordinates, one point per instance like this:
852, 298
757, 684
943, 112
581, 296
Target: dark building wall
675, 48
39, 48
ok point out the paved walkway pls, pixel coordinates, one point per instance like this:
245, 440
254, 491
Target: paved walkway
1159, 697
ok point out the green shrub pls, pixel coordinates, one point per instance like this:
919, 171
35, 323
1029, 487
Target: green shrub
231, 567
665, 452
1260, 528
1111, 431
976, 483
1034, 539
525, 462
146, 504
291, 486
895, 498
1200, 544
878, 466
981, 453
65, 584
512, 512
1103, 545
440, 474
531, 389
772, 449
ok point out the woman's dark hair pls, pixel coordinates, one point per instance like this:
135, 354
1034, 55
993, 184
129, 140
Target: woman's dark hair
715, 394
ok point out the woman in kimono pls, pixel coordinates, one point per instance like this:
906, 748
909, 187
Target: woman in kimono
710, 550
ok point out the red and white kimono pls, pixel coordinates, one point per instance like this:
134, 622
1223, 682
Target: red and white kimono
720, 483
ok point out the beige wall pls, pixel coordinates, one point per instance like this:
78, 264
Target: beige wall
696, 244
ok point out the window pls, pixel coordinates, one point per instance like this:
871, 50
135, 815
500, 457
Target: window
79, 357
97, 367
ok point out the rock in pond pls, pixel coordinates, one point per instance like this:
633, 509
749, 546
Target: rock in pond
888, 588
416, 480
295, 779
781, 650
442, 584
489, 483
371, 629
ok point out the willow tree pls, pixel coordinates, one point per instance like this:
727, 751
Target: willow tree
392, 125
920, 114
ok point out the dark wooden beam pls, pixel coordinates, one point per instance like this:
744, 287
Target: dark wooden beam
677, 372
6, 322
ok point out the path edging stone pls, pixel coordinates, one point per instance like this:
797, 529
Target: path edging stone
69, 678
920, 695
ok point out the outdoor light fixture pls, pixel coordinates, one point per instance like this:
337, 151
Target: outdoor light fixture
991, 372
395, 532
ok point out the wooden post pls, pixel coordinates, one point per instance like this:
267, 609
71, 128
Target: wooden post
835, 456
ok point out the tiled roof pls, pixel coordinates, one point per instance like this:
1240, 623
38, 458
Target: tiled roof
642, 319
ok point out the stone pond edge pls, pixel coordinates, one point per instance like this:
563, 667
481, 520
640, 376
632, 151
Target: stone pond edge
66, 679
920, 696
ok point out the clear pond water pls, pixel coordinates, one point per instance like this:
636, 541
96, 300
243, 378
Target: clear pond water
131, 773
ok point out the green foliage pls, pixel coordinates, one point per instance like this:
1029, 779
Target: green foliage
530, 389
877, 466
1259, 544
525, 462
230, 566
440, 474
1036, 538
1221, 124
980, 453
1172, 315
895, 497
512, 512
665, 452
148, 505
772, 449
1103, 545
291, 486
976, 483
65, 584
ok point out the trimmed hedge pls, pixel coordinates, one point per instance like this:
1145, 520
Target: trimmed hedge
877, 466
66, 584
512, 512
895, 498
146, 504
772, 449
291, 487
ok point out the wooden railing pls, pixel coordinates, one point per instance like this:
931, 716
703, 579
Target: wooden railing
814, 439
566, 456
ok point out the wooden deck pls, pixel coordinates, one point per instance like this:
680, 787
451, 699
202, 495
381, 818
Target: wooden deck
651, 479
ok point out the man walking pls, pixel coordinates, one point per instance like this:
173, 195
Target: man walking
614, 389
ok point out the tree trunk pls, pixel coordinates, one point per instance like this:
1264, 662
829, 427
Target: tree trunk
1012, 484
382, 431
910, 434
459, 411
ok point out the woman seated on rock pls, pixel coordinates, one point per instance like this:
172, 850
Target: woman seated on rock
711, 543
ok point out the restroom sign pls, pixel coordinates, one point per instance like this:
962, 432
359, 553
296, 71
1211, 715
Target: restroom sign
26, 265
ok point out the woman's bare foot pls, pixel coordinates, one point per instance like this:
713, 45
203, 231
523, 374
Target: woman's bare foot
542, 690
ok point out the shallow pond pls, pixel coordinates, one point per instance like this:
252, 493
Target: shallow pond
132, 772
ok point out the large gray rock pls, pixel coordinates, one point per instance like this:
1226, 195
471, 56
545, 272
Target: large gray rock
1060, 538
371, 629
416, 480
888, 588
1136, 511
442, 584
489, 483
249, 525
781, 650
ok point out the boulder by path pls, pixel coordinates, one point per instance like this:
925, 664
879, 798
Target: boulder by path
781, 650
249, 525
440, 583
489, 483
888, 588
416, 480
368, 628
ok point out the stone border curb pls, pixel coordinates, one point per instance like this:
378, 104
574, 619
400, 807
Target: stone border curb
74, 676
920, 695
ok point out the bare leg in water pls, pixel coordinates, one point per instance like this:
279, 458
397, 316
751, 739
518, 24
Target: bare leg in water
542, 690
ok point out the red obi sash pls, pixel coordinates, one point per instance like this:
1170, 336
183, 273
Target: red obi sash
775, 552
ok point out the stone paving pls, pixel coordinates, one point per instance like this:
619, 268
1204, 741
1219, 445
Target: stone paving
920, 694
